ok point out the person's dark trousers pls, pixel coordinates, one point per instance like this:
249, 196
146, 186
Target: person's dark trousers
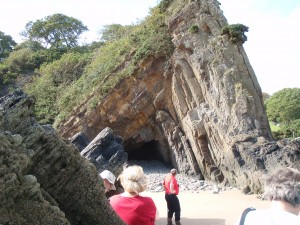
173, 206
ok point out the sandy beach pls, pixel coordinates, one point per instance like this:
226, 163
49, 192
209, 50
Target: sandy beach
206, 208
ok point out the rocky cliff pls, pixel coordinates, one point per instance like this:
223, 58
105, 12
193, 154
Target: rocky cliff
202, 107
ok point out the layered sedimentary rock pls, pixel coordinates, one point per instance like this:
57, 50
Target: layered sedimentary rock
43, 178
106, 152
203, 106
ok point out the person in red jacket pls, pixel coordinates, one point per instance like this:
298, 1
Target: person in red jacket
171, 191
133, 208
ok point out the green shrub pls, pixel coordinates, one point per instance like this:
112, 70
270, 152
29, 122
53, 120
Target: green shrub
20, 61
46, 56
294, 128
45, 94
33, 45
236, 33
114, 32
4, 76
7, 45
164, 4
52, 80
277, 135
194, 29
67, 69
153, 37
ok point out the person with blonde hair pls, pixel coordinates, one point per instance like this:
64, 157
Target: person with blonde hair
133, 208
283, 190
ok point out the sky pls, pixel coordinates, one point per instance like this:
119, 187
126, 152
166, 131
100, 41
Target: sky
273, 45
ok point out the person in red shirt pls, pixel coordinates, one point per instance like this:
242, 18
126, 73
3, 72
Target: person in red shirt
132, 208
171, 191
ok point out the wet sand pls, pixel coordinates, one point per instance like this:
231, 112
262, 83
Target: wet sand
206, 208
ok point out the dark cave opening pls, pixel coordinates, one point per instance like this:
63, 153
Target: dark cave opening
148, 151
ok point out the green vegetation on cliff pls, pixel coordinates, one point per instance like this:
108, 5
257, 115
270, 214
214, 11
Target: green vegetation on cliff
64, 75
118, 58
52, 80
236, 33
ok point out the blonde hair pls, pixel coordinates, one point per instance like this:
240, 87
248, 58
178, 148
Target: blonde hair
133, 179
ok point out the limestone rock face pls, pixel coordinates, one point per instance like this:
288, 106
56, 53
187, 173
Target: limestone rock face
203, 106
43, 178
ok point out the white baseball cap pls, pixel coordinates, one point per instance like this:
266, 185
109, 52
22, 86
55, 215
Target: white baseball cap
106, 174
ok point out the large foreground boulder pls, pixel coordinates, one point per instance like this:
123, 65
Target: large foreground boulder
22, 200
43, 178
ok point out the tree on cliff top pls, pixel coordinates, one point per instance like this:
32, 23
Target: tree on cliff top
283, 108
55, 31
284, 105
6, 45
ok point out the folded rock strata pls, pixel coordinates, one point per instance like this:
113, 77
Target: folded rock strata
203, 106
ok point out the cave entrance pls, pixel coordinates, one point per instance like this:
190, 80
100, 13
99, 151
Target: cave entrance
148, 151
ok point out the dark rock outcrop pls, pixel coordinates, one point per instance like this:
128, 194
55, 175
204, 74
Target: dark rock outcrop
43, 178
106, 152
80, 141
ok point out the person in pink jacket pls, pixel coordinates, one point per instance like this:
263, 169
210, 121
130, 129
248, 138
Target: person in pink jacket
171, 191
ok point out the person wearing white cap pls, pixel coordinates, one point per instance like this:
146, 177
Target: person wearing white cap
108, 181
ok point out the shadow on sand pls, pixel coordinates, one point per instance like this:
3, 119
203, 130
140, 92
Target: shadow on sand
187, 221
